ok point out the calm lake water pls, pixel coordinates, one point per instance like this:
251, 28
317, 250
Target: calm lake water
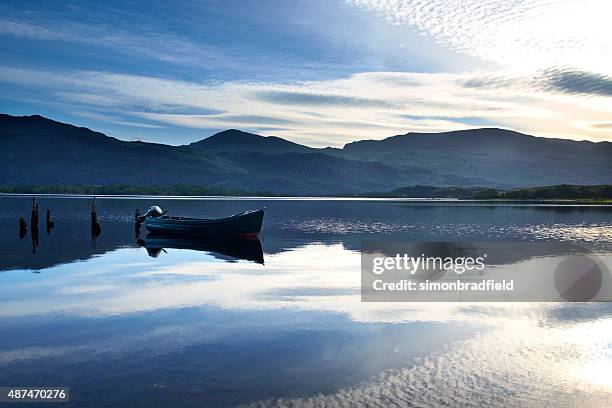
124, 324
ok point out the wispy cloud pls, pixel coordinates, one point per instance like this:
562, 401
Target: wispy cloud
138, 42
579, 82
27, 30
517, 34
318, 100
113, 120
369, 105
545, 68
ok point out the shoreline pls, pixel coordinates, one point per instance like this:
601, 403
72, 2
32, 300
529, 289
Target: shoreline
555, 194
444, 200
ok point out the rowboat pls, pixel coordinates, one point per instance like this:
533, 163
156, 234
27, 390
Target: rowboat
237, 248
243, 224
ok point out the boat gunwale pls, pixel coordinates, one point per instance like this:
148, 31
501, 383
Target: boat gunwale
174, 220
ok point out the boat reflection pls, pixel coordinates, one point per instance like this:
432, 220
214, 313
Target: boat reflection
249, 249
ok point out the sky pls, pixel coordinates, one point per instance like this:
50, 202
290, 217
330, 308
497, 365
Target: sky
316, 72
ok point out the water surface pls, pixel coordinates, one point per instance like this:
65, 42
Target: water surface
122, 325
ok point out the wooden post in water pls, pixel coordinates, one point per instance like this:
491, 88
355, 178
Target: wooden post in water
94, 214
96, 228
34, 215
138, 224
34, 225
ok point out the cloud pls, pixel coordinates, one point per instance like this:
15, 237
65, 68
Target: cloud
554, 80
578, 82
493, 82
216, 120
369, 105
249, 119
525, 35
135, 42
312, 99
551, 78
602, 126
28, 30
595, 126
113, 120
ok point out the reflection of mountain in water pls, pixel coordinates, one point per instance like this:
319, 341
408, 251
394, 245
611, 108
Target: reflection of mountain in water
291, 224
70, 242
120, 235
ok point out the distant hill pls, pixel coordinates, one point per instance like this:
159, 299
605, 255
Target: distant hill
38, 151
493, 156
235, 141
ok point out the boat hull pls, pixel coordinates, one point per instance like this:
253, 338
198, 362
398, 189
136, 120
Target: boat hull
248, 223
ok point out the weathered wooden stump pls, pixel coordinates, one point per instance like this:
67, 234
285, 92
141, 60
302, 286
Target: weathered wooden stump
34, 216
96, 228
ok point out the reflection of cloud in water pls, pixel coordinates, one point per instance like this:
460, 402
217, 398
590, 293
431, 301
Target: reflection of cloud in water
576, 313
516, 364
313, 277
310, 278
532, 354
179, 282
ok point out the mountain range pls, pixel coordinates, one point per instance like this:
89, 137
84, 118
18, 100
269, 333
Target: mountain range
35, 150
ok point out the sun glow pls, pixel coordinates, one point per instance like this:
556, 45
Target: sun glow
596, 344
599, 372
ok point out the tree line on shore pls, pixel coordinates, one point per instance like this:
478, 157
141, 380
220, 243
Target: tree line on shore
562, 192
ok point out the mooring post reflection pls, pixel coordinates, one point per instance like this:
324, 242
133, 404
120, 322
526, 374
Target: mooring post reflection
35, 237
137, 224
23, 227
50, 222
